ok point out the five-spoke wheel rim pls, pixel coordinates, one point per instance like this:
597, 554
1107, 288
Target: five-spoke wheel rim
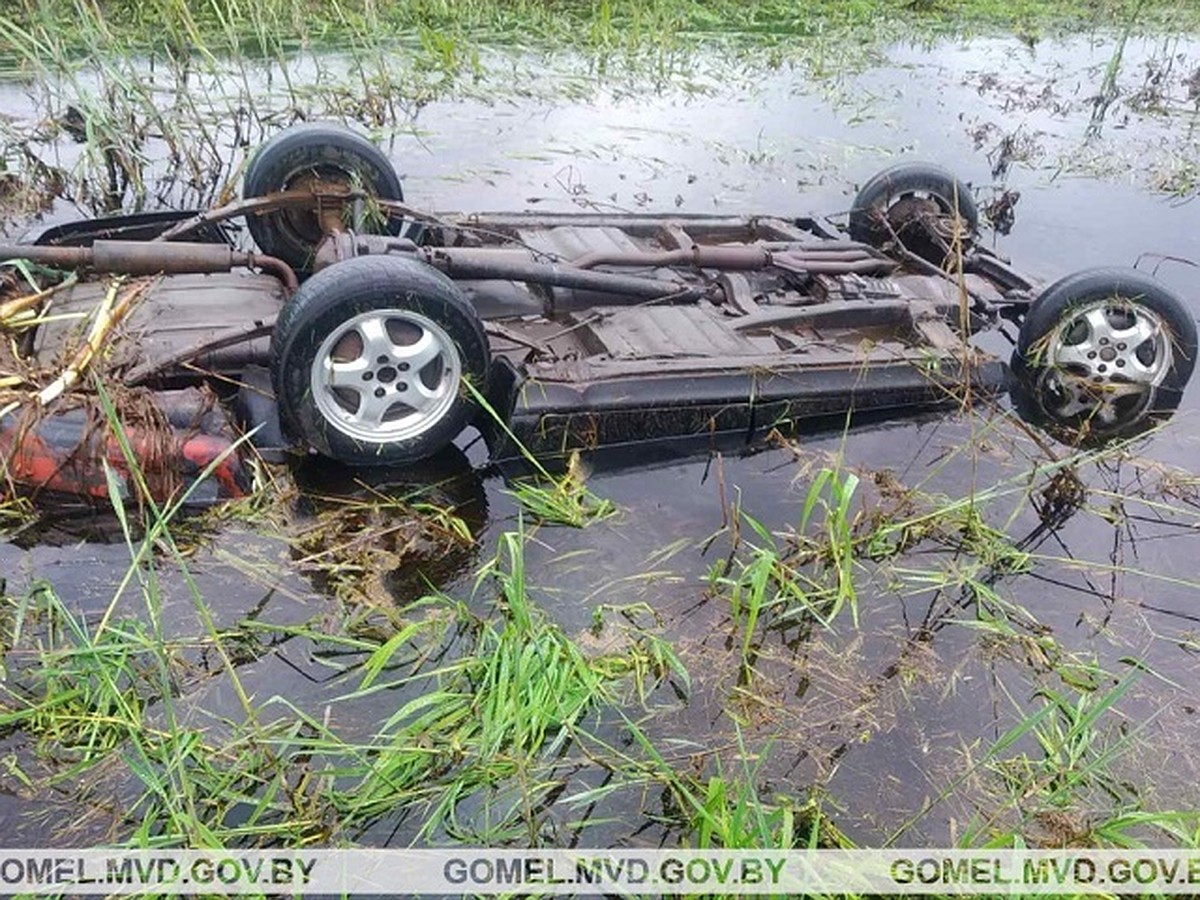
386, 375
1104, 362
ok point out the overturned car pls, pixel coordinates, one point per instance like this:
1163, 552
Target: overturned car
370, 332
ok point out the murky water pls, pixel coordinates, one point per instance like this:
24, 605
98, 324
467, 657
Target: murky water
880, 721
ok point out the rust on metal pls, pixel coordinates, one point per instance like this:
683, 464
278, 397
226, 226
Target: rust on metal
276, 267
289, 199
148, 258
732, 258
748, 258
484, 264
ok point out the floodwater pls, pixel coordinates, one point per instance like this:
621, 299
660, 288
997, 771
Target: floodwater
886, 717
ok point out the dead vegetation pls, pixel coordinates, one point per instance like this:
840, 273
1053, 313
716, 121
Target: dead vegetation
919, 616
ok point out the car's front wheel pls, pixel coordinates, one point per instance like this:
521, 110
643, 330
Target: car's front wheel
1103, 354
369, 357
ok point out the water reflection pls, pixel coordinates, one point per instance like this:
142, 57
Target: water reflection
885, 715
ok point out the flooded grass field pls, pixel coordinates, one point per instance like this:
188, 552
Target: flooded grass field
945, 631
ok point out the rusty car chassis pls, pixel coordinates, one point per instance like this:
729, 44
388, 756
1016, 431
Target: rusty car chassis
383, 331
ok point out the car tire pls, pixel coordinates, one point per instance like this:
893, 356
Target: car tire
296, 156
368, 361
908, 198
1103, 354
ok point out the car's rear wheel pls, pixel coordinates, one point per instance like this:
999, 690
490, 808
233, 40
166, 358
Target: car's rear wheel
313, 156
369, 357
922, 205
1103, 354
